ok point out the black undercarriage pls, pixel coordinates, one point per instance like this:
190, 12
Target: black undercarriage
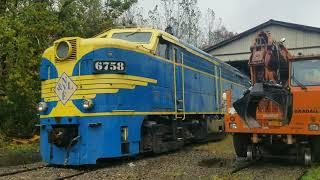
162, 134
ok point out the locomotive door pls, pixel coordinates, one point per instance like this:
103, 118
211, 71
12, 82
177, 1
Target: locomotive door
178, 73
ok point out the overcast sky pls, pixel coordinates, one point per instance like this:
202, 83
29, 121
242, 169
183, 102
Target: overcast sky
241, 15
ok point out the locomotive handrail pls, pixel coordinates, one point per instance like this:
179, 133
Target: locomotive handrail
183, 104
175, 89
217, 93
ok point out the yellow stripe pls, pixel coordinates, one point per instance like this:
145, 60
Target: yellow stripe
97, 84
107, 86
84, 92
112, 81
95, 91
50, 81
101, 77
48, 90
113, 76
116, 113
90, 96
94, 86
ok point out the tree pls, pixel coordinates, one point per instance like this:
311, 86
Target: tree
214, 31
27, 28
132, 17
182, 15
185, 19
27, 31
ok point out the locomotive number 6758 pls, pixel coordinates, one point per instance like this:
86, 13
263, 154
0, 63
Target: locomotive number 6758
109, 66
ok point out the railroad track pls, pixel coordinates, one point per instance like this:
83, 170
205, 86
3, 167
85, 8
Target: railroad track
242, 165
81, 172
75, 174
22, 170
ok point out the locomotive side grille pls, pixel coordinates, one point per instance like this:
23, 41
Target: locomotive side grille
73, 55
73, 43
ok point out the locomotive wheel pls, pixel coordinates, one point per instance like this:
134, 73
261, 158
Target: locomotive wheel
241, 142
307, 157
251, 153
315, 148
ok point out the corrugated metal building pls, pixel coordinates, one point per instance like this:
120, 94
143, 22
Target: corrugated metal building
300, 40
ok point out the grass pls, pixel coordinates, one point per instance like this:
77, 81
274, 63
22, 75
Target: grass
313, 173
7, 147
12, 154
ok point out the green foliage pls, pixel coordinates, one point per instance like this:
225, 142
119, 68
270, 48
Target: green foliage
313, 173
27, 28
7, 148
116, 8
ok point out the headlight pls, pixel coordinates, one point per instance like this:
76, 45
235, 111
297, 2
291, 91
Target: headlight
63, 50
224, 96
42, 106
87, 104
233, 125
313, 127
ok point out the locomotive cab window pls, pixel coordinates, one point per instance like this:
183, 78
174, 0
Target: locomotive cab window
163, 49
137, 37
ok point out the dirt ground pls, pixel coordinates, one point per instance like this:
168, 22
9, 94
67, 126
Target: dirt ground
214, 160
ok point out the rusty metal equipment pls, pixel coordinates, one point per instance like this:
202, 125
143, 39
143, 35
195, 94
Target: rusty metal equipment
278, 115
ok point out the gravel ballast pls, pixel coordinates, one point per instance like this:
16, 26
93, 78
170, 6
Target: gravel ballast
214, 160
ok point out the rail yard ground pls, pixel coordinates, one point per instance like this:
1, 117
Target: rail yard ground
214, 160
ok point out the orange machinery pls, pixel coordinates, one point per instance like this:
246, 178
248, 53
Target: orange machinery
279, 114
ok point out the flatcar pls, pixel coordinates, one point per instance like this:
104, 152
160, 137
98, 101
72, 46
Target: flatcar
129, 91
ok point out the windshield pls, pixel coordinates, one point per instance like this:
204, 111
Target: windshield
139, 37
306, 73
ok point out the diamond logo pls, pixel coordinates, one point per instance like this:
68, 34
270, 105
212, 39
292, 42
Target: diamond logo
65, 88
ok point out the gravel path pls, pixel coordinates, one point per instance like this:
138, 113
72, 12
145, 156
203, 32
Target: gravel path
214, 160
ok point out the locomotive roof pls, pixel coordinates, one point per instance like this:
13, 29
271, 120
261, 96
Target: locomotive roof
174, 40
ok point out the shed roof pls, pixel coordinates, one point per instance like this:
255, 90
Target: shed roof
261, 26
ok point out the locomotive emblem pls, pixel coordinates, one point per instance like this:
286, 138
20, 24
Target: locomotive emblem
65, 88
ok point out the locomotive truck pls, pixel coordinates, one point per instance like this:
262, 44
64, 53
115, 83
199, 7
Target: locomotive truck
129, 91
279, 115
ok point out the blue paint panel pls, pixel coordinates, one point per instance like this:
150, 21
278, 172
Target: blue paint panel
123, 100
200, 89
95, 142
45, 66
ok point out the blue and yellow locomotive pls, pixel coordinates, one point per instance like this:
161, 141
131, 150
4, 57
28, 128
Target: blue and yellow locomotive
129, 91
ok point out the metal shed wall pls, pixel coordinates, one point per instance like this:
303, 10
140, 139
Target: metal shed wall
297, 41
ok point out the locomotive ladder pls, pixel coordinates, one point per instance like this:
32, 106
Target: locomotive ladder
179, 103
